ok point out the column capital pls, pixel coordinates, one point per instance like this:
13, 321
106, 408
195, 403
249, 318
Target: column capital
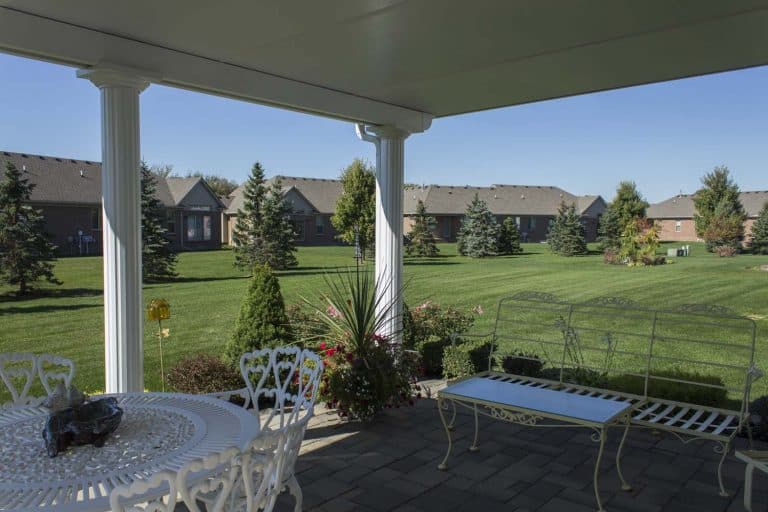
365, 132
116, 76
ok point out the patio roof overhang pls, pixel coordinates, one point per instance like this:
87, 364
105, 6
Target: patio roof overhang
389, 65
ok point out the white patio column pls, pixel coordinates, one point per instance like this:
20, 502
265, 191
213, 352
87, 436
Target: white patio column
390, 149
120, 185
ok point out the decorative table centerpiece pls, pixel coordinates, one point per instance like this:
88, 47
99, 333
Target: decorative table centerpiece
74, 420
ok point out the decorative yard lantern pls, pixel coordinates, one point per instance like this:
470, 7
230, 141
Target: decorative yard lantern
159, 310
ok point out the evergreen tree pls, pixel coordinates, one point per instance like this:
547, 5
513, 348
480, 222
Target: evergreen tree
719, 196
626, 208
262, 321
356, 207
278, 249
479, 233
247, 241
422, 234
26, 253
566, 235
509, 237
759, 241
158, 261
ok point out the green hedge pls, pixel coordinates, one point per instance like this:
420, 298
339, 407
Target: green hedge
466, 358
675, 391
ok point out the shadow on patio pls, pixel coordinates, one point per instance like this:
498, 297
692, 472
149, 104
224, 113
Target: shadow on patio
392, 465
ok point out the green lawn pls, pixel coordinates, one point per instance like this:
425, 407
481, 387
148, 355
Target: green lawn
68, 320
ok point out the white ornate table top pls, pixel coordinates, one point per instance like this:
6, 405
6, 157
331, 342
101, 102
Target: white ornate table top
158, 431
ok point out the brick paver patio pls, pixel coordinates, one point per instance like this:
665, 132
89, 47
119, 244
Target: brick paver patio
392, 465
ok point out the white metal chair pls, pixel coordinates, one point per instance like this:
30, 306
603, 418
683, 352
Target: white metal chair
18, 371
216, 492
290, 376
131, 498
52, 368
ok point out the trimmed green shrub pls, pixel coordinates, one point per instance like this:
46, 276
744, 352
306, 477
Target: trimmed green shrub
523, 363
675, 391
262, 322
204, 373
466, 358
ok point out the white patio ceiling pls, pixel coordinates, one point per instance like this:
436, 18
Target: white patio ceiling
394, 61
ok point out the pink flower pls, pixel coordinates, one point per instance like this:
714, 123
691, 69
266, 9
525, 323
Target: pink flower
333, 312
423, 306
322, 345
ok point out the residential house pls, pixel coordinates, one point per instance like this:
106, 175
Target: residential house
675, 215
532, 207
68, 192
313, 202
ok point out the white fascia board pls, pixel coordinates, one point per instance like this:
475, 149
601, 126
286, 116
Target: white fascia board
62, 43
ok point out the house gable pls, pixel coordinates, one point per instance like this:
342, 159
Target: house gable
299, 203
200, 196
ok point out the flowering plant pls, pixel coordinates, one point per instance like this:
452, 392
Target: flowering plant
364, 371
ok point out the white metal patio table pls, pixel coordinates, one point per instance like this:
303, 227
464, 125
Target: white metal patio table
158, 431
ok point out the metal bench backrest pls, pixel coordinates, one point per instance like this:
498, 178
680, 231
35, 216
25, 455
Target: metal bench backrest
613, 343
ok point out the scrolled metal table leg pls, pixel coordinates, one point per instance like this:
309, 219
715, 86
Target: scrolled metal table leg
601, 436
474, 447
624, 485
725, 448
452, 423
440, 405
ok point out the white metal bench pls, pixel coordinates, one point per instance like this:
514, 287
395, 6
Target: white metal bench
755, 460
604, 339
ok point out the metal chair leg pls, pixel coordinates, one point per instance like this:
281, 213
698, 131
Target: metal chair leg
748, 487
602, 436
440, 404
295, 489
725, 448
474, 447
624, 485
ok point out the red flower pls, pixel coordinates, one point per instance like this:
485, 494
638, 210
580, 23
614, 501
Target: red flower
330, 352
322, 345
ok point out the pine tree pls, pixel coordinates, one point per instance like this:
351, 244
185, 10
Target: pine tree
158, 261
26, 253
566, 235
626, 208
719, 196
759, 241
356, 207
278, 248
247, 241
479, 233
509, 237
262, 321
422, 234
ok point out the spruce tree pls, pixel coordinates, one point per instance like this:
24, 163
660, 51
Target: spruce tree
719, 196
509, 237
566, 235
356, 207
247, 241
627, 207
26, 252
262, 321
422, 234
479, 233
759, 239
609, 231
158, 261
278, 248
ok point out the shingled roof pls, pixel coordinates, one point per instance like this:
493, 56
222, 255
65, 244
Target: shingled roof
501, 199
681, 206
321, 193
69, 181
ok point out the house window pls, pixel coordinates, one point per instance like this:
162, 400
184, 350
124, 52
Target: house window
170, 222
531, 223
96, 219
446, 229
198, 228
298, 229
319, 225
517, 223
678, 226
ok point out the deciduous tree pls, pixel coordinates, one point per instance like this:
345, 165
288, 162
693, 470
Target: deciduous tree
26, 252
718, 197
356, 207
627, 207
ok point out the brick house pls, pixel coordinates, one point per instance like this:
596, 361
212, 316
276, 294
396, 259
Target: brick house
68, 192
675, 215
313, 202
532, 207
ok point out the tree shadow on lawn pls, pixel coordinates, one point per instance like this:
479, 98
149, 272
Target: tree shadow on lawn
50, 308
52, 293
197, 280
431, 261
313, 271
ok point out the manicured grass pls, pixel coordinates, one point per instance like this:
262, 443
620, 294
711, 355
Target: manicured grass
68, 320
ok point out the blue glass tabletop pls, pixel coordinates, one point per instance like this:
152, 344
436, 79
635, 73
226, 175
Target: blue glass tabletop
545, 401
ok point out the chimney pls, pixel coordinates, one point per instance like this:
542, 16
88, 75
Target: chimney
82, 173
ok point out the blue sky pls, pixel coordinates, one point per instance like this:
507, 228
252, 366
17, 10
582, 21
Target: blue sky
663, 136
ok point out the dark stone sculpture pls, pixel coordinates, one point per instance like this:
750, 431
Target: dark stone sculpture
89, 423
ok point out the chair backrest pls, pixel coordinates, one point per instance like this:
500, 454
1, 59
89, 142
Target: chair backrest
52, 369
215, 491
288, 375
18, 371
132, 497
